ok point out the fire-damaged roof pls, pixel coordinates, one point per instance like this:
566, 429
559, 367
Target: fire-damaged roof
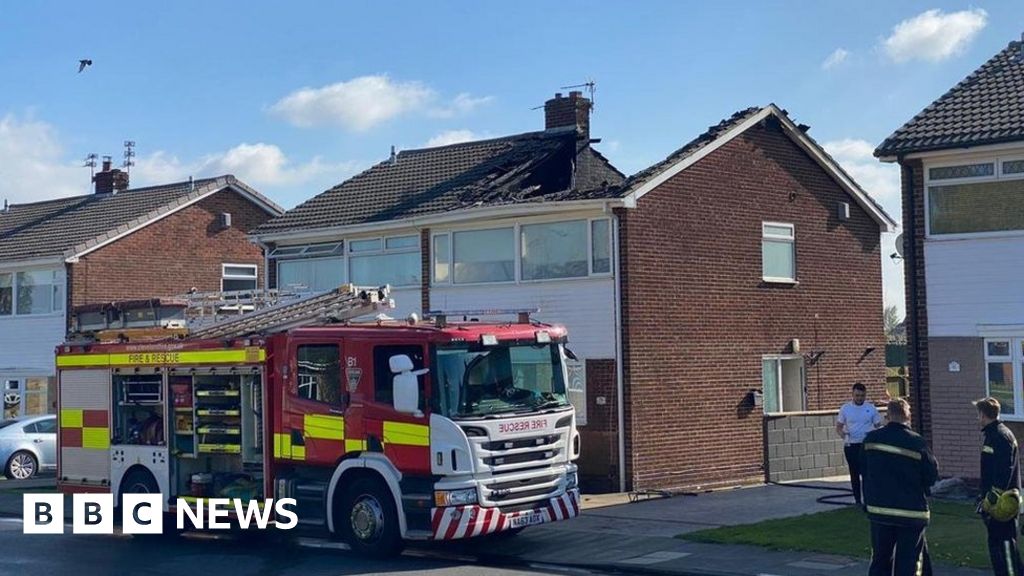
67, 227
987, 107
553, 165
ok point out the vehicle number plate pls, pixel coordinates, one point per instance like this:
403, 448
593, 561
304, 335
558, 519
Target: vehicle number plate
527, 520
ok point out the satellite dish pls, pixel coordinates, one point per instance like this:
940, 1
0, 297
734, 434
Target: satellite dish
899, 244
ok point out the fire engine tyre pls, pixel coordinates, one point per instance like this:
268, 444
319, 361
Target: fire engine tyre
369, 520
21, 466
142, 482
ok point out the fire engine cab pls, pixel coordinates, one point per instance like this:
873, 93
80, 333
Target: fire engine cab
382, 431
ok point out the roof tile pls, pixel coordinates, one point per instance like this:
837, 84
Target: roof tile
987, 107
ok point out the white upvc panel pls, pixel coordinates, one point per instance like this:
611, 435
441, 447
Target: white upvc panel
585, 306
27, 343
974, 282
407, 301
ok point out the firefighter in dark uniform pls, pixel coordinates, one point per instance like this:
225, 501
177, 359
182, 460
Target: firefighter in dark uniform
999, 502
899, 472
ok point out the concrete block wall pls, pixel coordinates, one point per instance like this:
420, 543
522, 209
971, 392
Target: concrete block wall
802, 447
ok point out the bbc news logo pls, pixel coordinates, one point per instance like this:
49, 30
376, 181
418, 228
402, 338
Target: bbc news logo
143, 514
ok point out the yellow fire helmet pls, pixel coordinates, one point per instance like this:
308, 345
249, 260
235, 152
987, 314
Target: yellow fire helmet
1001, 505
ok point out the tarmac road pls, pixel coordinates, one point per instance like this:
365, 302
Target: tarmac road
199, 555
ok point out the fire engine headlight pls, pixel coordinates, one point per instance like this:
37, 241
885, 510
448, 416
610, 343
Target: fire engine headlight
455, 497
571, 481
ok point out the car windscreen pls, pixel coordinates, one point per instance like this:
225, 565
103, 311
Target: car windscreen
6, 423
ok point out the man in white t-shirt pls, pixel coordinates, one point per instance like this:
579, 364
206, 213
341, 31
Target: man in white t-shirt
855, 420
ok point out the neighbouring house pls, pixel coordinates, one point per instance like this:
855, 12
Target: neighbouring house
962, 166
114, 244
719, 302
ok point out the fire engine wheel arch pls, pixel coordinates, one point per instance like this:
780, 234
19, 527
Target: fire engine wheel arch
348, 471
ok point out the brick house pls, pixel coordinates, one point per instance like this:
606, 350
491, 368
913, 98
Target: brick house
962, 166
114, 244
744, 267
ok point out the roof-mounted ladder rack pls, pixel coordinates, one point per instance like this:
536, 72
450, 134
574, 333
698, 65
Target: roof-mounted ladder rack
339, 305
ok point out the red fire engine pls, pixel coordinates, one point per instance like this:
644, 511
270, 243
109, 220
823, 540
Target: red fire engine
382, 431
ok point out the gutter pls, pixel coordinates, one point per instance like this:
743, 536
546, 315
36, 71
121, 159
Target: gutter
461, 215
620, 394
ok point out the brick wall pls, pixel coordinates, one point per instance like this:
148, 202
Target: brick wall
172, 255
917, 314
956, 439
425, 273
803, 446
697, 317
599, 459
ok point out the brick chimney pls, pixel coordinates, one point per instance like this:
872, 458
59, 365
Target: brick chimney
560, 112
110, 180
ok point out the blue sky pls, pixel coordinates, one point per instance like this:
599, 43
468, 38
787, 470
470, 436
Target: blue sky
296, 98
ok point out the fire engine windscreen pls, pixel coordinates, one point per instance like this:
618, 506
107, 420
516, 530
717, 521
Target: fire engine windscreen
483, 381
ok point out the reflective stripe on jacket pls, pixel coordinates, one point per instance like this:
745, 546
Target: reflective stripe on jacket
899, 470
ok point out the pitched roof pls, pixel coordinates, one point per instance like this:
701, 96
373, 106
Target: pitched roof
691, 147
716, 136
66, 227
987, 107
525, 168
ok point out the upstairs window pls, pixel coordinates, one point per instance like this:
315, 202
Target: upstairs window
379, 261
484, 256
36, 292
778, 252
555, 250
238, 277
983, 197
526, 252
6, 293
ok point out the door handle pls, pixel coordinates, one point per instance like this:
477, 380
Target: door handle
38, 441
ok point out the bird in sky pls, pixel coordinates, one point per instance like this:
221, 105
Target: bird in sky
82, 64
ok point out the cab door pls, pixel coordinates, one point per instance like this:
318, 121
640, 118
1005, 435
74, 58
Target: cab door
315, 401
403, 438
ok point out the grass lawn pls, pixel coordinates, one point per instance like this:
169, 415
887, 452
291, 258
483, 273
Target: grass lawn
956, 535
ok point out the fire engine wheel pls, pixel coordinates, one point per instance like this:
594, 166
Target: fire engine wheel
142, 482
370, 520
21, 466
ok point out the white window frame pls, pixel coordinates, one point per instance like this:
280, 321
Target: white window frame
791, 239
384, 250
1016, 360
60, 280
433, 261
308, 251
517, 240
997, 160
778, 358
225, 276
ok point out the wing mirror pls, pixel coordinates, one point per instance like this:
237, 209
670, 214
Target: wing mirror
405, 385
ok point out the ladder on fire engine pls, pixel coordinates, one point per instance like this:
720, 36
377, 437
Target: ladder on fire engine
339, 305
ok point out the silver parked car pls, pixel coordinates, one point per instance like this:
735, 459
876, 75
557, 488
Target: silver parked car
28, 445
